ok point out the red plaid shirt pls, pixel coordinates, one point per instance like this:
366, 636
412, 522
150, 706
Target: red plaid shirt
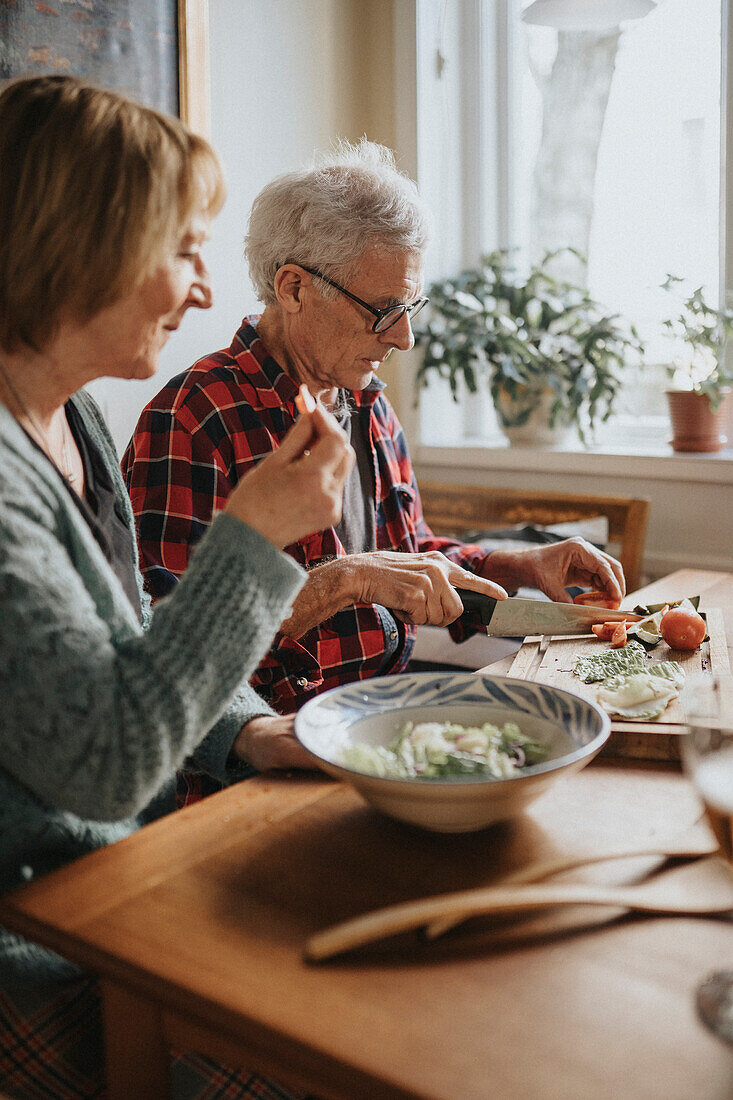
204, 431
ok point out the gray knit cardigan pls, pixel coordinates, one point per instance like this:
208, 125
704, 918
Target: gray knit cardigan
97, 711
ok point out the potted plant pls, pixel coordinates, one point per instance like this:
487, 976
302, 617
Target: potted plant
554, 357
701, 382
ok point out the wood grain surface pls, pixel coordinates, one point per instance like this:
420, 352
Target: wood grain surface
198, 925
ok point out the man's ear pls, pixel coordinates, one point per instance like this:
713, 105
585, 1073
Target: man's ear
288, 286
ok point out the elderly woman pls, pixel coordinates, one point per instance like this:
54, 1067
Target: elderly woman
336, 254
104, 207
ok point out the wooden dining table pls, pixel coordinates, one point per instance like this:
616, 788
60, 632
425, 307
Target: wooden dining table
196, 927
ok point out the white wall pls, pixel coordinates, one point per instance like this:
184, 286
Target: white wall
287, 77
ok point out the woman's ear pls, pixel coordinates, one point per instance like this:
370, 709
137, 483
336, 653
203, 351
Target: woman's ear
288, 286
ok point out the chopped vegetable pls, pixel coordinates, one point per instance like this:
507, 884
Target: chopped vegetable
605, 631
446, 750
618, 638
599, 666
596, 599
641, 695
647, 630
671, 671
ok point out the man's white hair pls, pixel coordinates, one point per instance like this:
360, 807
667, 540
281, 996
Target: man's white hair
327, 216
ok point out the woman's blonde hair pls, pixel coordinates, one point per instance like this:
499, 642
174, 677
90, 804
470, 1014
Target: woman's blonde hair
95, 192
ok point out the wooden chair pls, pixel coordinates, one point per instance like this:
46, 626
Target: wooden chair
454, 509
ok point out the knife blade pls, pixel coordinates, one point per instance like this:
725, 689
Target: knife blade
516, 617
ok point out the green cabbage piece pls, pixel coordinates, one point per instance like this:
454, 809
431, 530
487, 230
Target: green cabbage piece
642, 695
599, 666
670, 671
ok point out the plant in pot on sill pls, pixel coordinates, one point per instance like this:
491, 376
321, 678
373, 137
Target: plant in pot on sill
698, 397
553, 356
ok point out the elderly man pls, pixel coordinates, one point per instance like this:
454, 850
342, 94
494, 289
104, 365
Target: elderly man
336, 254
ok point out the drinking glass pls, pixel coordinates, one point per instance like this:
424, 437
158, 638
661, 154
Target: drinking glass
707, 751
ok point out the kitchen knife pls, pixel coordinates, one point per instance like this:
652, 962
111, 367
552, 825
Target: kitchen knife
516, 617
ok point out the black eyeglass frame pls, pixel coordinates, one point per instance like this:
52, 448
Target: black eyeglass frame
380, 314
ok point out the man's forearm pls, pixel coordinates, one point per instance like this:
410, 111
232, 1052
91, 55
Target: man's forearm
326, 591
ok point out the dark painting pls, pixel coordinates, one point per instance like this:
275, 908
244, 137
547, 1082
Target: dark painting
128, 45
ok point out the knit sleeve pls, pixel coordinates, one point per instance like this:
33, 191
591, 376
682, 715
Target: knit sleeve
95, 719
212, 754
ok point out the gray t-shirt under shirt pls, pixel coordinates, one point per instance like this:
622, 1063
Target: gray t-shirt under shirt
357, 529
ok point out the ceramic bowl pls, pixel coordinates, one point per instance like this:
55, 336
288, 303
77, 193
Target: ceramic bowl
374, 712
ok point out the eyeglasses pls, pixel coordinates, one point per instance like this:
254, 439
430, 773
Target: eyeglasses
385, 318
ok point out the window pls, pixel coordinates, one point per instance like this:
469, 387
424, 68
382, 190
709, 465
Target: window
606, 141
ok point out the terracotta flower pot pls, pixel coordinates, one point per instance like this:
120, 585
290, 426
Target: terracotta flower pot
695, 427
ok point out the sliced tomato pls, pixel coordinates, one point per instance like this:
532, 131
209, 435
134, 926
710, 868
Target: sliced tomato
604, 631
596, 599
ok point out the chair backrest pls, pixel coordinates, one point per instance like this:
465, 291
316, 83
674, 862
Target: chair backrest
454, 509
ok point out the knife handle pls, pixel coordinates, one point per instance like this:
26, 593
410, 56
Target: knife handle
477, 601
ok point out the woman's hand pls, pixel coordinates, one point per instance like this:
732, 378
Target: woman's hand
268, 741
555, 567
298, 488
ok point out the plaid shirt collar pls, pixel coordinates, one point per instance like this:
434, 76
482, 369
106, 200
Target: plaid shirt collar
268, 378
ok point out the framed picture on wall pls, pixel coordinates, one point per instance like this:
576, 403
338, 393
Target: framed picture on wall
156, 51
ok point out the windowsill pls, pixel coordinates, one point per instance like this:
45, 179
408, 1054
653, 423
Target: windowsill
655, 461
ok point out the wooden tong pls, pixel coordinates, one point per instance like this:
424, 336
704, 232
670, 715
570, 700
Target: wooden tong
702, 888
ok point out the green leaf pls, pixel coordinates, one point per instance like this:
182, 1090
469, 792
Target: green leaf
495, 319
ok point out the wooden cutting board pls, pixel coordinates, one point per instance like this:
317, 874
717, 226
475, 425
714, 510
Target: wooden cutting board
551, 660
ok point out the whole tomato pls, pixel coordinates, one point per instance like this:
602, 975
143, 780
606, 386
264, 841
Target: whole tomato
682, 628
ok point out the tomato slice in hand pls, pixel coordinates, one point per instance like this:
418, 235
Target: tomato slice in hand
596, 599
682, 628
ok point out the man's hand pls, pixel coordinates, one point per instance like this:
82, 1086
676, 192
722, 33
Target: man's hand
268, 742
555, 567
417, 588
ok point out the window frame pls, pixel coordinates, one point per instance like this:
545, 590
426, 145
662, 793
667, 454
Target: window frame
473, 205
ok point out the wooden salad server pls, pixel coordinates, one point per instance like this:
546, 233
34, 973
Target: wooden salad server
699, 888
